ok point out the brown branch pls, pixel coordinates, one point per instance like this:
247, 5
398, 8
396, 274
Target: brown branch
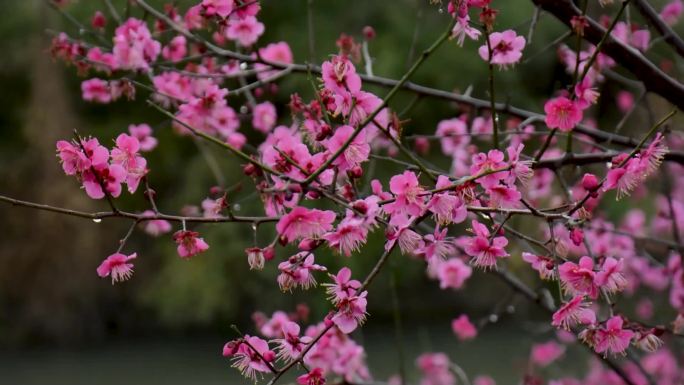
653, 78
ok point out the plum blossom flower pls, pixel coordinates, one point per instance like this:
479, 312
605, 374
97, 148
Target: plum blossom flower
672, 11
348, 237
351, 312
453, 273
126, 154
573, 312
343, 286
463, 328
544, 265
96, 90
143, 132
255, 258
544, 354
453, 135
436, 245
222, 8
264, 117
339, 76
134, 48
273, 53
176, 49
462, 29
408, 194
298, 271
155, 227
579, 278
506, 48
610, 278
117, 266
562, 113
484, 250
447, 208
245, 31
435, 369
612, 337
291, 345
253, 356
189, 243
314, 377
303, 223
354, 154
110, 177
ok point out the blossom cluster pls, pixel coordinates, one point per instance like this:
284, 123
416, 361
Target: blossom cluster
314, 175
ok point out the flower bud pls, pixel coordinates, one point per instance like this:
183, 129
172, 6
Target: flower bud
368, 33
590, 182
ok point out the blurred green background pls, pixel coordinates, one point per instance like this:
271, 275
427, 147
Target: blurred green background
61, 324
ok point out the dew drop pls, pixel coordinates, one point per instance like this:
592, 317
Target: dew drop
244, 109
243, 66
236, 207
510, 309
493, 318
254, 226
97, 220
440, 10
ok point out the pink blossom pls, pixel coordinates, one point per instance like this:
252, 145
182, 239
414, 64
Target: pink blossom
506, 48
463, 328
222, 8
462, 29
291, 345
351, 312
126, 154
544, 265
189, 243
435, 368
253, 358
562, 113
348, 237
212, 208
504, 196
117, 266
672, 11
343, 286
155, 227
586, 94
612, 337
264, 117
110, 177
447, 208
484, 250
255, 258
354, 154
544, 354
610, 278
245, 31
625, 101
134, 48
436, 245
573, 312
143, 132
453, 135
303, 223
453, 273
492, 160
96, 90
578, 279
273, 53
314, 377
298, 271
408, 194
176, 49
339, 76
